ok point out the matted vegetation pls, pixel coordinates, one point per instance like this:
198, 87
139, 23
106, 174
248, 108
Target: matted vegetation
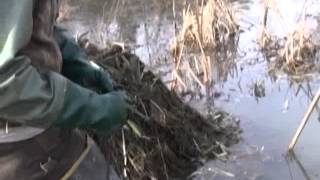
164, 138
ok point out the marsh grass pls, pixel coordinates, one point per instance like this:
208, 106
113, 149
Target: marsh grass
295, 53
206, 27
299, 51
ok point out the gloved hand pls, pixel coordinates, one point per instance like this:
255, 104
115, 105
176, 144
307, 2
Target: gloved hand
84, 108
77, 68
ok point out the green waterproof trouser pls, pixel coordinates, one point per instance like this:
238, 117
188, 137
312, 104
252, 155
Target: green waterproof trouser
50, 155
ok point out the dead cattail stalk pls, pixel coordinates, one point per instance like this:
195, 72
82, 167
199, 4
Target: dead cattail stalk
264, 37
196, 77
304, 121
298, 48
206, 26
296, 51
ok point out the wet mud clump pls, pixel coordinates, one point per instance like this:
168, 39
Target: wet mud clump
164, 137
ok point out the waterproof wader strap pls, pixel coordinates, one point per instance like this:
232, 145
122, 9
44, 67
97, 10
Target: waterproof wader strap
77, 163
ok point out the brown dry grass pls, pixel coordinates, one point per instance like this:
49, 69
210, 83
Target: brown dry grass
207, 25
204, 25
295, 53
299, 50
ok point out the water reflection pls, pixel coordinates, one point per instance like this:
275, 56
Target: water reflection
292, 158
146, 29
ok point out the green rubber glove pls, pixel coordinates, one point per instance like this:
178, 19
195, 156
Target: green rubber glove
84, 108
77, 68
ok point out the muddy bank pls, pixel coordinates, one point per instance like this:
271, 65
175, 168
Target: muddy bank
164, 138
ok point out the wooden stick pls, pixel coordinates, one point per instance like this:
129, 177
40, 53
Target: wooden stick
304, 121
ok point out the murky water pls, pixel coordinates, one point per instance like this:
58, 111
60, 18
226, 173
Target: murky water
268, 122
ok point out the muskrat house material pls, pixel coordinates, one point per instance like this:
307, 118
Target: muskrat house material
164, 138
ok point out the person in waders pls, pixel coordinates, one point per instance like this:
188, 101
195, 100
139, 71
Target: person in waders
45, 98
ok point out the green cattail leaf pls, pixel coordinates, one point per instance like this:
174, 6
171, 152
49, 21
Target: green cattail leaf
135, 128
